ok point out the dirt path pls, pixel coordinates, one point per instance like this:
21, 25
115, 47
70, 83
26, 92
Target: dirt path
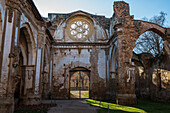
71, 106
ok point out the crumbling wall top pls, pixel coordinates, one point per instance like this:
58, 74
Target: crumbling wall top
121, 9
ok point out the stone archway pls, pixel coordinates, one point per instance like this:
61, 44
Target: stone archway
126, 68
79, 83
26, 67
113, 73
30, 42
144, 26
127, 32
19, 87
148, 64
23, 61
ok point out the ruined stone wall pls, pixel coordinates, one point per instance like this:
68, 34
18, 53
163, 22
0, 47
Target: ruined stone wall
23, 32
2, 21
98, 73
124, 31
70, 52
66, 59
31, 33
61, 35
152, 80
48, 62
57, 19
160, 88
100, 32
46, 71
127, 30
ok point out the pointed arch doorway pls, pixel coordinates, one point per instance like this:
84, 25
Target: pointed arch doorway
79, 83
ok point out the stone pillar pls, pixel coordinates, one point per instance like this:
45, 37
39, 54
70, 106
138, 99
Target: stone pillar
39, 66
126, 73
107, 73
167, 42
37, 74
7, 62
126, 38
51, 72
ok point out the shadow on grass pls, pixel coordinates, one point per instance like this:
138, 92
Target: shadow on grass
114, 107
153, 106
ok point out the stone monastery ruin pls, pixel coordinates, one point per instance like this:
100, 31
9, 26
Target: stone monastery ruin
42, 58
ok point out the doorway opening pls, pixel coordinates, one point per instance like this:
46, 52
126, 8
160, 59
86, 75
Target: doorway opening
79, 83
20, 86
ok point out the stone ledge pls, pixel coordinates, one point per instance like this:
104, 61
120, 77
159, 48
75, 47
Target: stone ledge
6, 100
6, 105
127, 95
126, 99
31, 100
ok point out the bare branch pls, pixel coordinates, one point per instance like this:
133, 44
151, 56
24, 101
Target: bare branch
150, 42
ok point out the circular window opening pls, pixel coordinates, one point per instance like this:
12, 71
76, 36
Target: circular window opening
79, 28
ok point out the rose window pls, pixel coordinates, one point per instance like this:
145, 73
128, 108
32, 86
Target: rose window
79, 28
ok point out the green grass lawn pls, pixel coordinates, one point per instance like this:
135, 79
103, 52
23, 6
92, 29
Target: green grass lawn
86, 95
143, 106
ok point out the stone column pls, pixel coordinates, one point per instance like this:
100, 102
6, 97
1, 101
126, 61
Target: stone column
126, 38
167, 42
14, 55
51, 72
6, 43
107, 73
40, 46
37, 75
6, 63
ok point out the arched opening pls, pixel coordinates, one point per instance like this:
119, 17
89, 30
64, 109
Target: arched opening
25, 70
26, 30
19, 87
24, 45
149, 42
79, 27
150, 61
79, 83
113, 73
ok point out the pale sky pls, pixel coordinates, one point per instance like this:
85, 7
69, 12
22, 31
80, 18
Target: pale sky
138, 8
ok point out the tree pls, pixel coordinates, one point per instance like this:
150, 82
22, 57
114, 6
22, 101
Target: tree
150, 42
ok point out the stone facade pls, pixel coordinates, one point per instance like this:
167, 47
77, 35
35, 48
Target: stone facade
70, 52
38, 55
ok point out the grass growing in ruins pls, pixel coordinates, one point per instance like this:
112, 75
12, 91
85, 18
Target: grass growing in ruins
114, 107
86, 95
72, 94
143, 106
153, 107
